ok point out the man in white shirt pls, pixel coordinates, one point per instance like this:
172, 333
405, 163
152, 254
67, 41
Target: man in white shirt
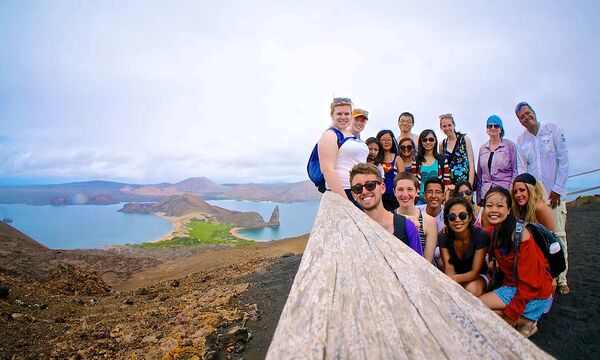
542, 152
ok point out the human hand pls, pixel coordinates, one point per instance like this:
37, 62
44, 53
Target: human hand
508, 320
554, 199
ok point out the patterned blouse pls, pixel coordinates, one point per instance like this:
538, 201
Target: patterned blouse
458, 159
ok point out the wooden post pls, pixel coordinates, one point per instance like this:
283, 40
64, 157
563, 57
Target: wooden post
360, 293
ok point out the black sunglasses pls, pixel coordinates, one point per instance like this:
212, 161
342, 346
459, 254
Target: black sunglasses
463, 216
404, 148
369, 185
429, 139
495, 126
465, 193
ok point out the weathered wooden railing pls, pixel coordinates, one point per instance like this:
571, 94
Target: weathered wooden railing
362, 294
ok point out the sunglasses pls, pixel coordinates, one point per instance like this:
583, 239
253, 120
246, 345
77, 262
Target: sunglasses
446, 116
369, 185
429, 139
463, 216
341, 101
495, 126
465, 193
404, 148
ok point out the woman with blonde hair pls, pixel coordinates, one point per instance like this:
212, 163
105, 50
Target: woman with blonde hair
529, 201
457, 150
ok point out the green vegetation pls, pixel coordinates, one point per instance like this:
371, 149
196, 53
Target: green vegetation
202, 233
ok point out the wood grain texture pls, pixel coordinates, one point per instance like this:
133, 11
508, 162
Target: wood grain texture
360, 293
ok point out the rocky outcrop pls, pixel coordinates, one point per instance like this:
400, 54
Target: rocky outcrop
274, 221
102, 199
186, 204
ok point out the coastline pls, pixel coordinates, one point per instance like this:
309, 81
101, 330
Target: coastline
234, 232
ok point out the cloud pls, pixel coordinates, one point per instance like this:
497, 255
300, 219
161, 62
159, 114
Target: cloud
239, 92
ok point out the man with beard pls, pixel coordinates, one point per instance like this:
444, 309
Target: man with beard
368, 188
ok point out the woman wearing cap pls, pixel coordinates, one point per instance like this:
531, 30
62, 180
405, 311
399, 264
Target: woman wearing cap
458, 151
497, 160
335, 162
463, 247
529, 201
429, 164
392, 165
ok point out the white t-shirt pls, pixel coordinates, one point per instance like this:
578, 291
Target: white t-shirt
439, 219
352, 152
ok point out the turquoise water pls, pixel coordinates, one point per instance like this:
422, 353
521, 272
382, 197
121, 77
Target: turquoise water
84, 226
296, 218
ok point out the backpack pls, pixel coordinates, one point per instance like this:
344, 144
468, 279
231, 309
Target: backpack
545, 240
314, 167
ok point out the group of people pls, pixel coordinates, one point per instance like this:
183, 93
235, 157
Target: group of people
458, 212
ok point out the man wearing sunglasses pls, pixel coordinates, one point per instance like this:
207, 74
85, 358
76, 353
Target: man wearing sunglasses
542, 152
368, 188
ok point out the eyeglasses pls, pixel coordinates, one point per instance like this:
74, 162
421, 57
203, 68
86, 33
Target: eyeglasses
495, 126
369, 185
465, 193
406, 148
463, 216
428, 139
436, 192
341, 101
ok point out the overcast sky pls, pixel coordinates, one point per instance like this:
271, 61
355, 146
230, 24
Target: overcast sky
147, 92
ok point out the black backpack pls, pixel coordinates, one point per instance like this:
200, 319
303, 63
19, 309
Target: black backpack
545, 240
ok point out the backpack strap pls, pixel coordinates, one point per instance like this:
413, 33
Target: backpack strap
518, 237
400, 228
341, 139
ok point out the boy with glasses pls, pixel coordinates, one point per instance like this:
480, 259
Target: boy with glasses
406, 121
368, 188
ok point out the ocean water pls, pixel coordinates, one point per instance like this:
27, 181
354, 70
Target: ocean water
295, 218
84, 226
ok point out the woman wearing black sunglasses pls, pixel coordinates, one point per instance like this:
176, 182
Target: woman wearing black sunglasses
429, 163
465, 190
497, 160
463, 247
408, 151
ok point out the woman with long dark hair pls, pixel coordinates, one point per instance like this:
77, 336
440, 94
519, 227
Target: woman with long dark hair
465, 190
463, 247
429, 163
523, 296
375, 153
392, 165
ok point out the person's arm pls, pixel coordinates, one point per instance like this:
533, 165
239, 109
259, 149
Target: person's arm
412, 234
521, 160
544, 216
400, 164
472, 274
530, 280
479, 176
471, 160
328, 151
562, 159
512, 153
431, 237
448, 268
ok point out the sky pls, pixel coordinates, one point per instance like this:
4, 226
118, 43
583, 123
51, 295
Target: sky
239, 91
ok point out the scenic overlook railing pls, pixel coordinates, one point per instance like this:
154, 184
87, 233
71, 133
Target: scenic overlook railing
361, 293
579, 191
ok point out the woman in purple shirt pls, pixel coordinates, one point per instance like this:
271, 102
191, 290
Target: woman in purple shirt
497, 161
